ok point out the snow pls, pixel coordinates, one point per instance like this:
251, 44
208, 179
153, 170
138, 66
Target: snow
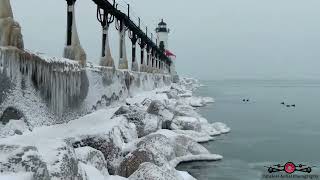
185, 175
204, 157
52, 59
16, 176
92, 124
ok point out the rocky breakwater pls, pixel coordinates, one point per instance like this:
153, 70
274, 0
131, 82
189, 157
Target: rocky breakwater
145, 138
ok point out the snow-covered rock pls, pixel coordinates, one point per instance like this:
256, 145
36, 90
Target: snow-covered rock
149, 171
194, 135
13, 127
221, 127
132, 161
145, 123
93, 157
22, 161
62, 162
186, 123
199, 101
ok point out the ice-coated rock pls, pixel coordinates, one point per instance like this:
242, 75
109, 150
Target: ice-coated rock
196, 136
172, 94
182, 109
93, 157
109, 147
14, 127
144, 122
62, 162
149, 171
132, 161
186, 149
158, 108
23, 159
186, 123
123, 110
160, 147
221, 127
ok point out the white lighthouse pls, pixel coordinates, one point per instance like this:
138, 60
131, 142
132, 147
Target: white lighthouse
162, 41
162, 34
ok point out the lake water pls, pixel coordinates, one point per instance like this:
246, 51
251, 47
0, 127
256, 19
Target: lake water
264, 132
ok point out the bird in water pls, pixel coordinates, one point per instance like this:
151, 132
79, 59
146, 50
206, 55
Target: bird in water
282, 103
288, 105
293, 105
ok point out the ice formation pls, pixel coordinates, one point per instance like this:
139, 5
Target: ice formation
107, 60
58, 81
75, 51
123, 61
10, 30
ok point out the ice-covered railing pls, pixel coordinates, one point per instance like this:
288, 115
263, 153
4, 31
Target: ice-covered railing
134, 17
59, 81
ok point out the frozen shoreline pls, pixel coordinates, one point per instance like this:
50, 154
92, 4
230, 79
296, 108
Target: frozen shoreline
145, 138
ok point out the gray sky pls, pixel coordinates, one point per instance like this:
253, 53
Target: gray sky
213, 39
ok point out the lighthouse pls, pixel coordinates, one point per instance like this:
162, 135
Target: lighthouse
162, 42
162, 34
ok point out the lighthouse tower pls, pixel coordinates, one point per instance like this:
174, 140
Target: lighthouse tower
162, 41
162, 34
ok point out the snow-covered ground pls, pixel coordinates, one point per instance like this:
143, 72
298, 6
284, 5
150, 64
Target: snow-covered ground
145, 137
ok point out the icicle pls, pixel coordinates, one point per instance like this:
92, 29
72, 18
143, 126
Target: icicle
58, 82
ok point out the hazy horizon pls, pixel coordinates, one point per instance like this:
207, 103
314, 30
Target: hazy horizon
219, 39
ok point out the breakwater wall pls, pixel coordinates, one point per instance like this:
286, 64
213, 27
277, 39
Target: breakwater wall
46, 90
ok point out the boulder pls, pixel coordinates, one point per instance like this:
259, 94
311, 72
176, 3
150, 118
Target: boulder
62, 162
133, 160
149, 171
144, 122
157, 108
93, 157
106, 145
123, 110
23, 159
186, 123
160, 146
14, 127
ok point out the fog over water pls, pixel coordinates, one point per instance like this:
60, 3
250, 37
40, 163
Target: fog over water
213, 39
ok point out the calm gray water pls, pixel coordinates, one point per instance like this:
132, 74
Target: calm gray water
264, 132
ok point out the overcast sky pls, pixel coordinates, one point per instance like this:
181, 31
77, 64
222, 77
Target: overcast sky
213, 39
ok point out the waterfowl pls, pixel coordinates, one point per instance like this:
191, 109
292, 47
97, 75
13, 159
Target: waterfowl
293, 105
282, 103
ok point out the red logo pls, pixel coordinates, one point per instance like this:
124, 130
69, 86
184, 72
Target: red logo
289, 167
